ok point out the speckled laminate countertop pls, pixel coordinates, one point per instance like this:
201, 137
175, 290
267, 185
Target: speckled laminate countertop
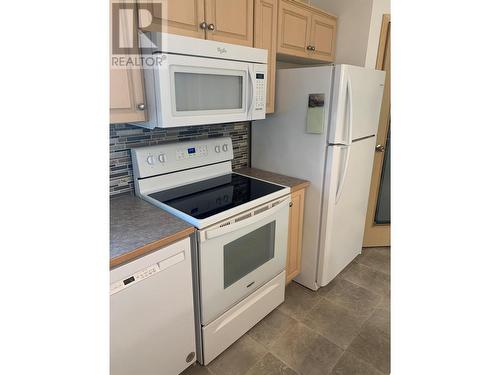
293, 183
137, 227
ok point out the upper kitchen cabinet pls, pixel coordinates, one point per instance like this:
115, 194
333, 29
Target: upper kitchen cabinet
230, 21
305, 31
265, 36
323, 31
182, 17
127, 99
126, 102
294, 28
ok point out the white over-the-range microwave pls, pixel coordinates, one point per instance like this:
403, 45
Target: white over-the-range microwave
191, 81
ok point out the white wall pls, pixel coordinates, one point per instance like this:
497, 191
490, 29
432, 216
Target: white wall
380, 7
353, 28
358, 29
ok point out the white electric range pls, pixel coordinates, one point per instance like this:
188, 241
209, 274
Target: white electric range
242, 222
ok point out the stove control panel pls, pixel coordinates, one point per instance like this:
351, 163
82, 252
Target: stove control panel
171, 157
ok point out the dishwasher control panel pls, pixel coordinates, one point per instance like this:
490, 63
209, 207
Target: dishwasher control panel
133, 279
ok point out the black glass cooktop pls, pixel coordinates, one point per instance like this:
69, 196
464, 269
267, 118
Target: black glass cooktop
209, 197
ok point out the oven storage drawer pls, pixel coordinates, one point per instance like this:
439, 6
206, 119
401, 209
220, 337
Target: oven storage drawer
225, 330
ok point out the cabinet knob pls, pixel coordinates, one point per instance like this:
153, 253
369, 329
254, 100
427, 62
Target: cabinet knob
141, 107
290, 204
313, 48
203, 25
309, 48
380, 148
211, 27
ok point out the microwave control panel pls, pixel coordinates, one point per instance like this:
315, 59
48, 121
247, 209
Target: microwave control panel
260, 94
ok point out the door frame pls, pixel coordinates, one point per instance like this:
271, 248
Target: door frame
380, 234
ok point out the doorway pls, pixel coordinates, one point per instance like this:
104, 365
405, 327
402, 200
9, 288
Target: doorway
378, 217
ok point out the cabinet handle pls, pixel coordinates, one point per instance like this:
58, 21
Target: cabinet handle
211, 27
290, 204
203, 25
309, 48
141, 107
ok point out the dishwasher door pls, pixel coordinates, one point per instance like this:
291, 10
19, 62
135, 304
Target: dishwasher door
152, 314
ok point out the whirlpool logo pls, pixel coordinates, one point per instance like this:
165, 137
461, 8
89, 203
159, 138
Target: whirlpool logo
221, 50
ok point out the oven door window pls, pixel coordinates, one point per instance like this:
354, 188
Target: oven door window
197, 91
247, 253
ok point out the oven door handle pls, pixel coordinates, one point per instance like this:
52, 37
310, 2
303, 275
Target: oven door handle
217, 232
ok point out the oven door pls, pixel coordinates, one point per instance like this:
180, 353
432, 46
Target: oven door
196, 90
240, 255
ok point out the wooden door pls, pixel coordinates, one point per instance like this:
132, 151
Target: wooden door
127, 100
265, 34
181, 17
231, 20
323, 35
294, 28
295, 226
379, 234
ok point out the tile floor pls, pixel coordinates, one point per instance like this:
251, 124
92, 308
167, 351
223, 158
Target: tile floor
342, 329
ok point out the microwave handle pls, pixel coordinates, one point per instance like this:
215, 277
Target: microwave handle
250, 91
217, 232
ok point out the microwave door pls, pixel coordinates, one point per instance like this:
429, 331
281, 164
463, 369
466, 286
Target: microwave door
198, 91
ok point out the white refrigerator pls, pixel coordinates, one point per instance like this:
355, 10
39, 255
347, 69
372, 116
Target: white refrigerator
324, 131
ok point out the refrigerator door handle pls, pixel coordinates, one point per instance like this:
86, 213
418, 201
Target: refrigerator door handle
341, 183
349, 98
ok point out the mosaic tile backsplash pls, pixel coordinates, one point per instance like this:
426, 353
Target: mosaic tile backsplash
123, 137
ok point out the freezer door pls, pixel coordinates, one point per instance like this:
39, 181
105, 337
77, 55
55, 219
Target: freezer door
347, 185
357, 97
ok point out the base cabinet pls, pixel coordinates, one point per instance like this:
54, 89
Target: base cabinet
295, 227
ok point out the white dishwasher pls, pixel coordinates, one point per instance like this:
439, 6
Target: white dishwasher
152, 314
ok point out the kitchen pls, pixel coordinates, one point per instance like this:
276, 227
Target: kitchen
212, 187
207, 133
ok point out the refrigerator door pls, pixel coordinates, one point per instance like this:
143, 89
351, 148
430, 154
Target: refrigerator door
345, 200
281, 144
357, 97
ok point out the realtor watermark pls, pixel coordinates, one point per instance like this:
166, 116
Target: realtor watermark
131, 44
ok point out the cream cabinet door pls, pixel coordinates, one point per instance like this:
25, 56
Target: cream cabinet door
323, 34
295, 227
127, 101
182, 17
126, 96
265, 34
231, 21
294, 26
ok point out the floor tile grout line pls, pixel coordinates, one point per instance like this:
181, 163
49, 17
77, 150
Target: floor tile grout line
282, 359
389, 256
373, 269
329, 340
362, 360
342, 277
359, 286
